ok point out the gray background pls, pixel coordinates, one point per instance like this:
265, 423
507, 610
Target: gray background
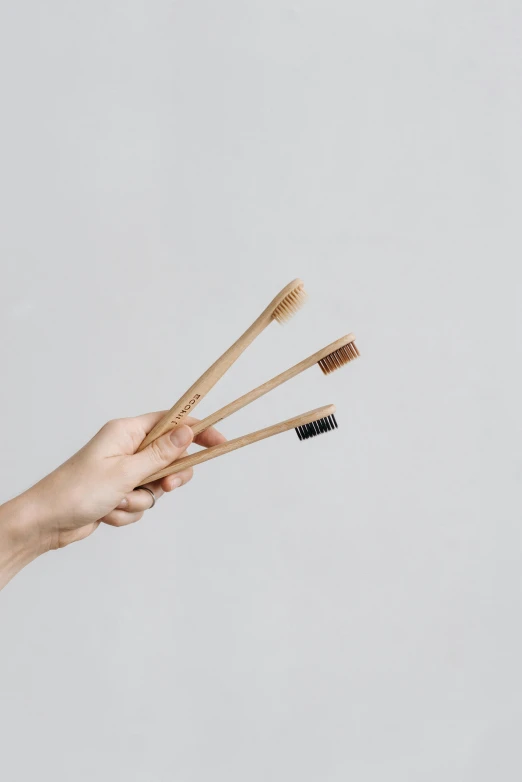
347, 608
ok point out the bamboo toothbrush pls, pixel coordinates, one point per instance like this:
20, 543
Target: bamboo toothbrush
330, 358
281, 308
307, 425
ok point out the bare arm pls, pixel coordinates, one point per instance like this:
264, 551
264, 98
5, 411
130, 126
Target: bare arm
95, 486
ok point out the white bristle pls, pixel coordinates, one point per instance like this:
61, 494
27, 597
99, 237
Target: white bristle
292, 302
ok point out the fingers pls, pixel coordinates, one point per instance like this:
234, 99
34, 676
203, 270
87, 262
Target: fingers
135, 503
210, 437
171, 482
139, 500
160, 453
130, 432
141, 425
207, 438
120, 518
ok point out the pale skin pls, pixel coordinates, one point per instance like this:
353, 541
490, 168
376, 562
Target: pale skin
95, 486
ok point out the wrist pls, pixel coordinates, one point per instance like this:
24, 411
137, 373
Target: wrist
21, 537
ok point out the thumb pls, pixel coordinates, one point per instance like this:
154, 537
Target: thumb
161, 452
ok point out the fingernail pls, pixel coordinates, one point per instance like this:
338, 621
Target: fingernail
176, 483
181, 436
123, 504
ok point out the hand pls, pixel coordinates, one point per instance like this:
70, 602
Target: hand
97, 485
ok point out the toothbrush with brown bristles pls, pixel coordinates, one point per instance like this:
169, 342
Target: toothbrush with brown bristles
330, 358
281, 309
307, 425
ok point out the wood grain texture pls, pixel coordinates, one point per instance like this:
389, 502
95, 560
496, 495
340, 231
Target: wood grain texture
241, 442
285, 302
316, 358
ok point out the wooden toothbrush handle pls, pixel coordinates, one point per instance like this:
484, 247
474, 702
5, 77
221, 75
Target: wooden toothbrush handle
240, 442
191, 398
251, 396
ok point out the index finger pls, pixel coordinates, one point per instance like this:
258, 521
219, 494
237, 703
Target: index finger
209, 437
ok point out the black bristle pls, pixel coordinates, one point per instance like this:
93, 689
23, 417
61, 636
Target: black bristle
305, 431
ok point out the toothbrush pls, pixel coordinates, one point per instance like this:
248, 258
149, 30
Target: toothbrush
281, 308
307, 425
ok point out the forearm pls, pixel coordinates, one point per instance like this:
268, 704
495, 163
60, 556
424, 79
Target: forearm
20, 536
97, 485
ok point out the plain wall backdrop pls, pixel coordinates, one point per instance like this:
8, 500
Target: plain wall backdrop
344, 608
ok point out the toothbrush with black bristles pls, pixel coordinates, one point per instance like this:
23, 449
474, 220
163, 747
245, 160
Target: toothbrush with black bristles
307, 425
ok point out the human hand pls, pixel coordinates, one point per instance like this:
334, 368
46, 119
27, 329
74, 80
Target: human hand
97, 484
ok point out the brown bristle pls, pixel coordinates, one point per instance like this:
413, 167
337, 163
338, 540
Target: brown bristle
292, 302
338, 358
